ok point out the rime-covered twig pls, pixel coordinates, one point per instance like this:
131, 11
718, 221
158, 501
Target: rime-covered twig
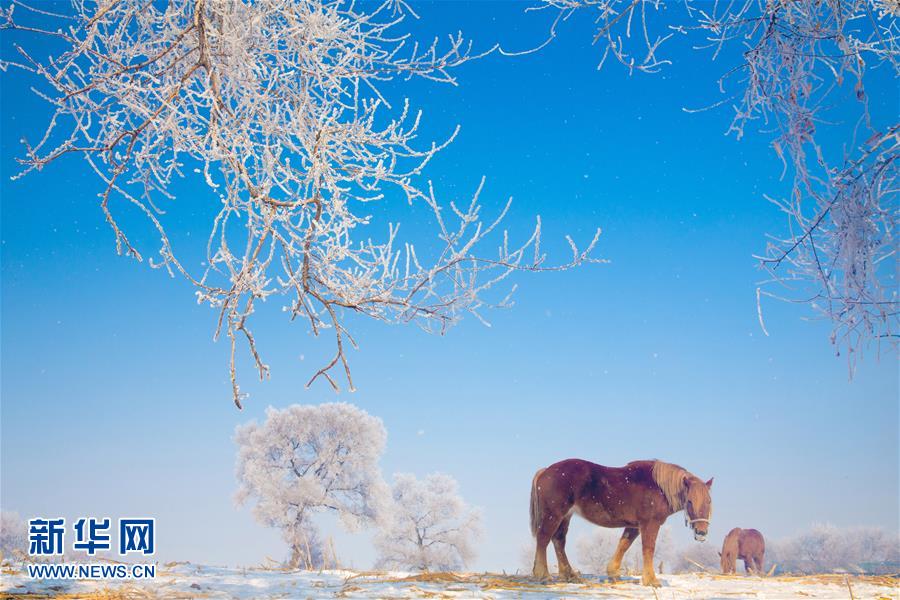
799, 58
277, 107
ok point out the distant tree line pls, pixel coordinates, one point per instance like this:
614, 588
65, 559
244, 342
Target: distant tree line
820, 549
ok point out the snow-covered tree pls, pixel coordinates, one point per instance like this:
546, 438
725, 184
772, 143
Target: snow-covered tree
431, 528
305, 460
13, 535
594, 551
281, 109
826, 549
696, 557
799, 73
666, 554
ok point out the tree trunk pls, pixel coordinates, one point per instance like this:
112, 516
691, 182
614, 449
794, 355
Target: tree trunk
296, 556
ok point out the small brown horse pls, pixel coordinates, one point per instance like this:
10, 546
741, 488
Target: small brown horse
747, 545
639, 497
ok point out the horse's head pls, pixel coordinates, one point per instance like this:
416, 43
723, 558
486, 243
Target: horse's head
697, 506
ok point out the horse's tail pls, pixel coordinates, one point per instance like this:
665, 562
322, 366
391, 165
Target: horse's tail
536, 511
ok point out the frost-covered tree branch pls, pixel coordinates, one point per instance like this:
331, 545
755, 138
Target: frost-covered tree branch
626, 31
838, 253
277, 109
799, 60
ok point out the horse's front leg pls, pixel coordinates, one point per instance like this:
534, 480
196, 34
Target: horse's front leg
649, 530
628, 536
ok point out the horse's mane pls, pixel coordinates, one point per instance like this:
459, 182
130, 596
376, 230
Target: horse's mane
670, 479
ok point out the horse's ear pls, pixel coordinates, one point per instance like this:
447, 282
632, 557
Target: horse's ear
720, 554
709, 483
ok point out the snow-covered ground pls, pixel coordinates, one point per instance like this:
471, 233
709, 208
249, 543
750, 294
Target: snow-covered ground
196, 581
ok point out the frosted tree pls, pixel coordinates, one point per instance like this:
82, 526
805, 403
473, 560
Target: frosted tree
596, 549
802, 68
305, 460
13, 536
279, 109
593, 551
431, 528
666, 554
826, 548
697, 557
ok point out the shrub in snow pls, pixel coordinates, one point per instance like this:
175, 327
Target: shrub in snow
431, 528
308, 459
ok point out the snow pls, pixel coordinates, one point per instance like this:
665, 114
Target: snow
188, 580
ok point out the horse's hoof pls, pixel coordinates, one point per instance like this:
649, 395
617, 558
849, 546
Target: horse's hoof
651, 582
571, 577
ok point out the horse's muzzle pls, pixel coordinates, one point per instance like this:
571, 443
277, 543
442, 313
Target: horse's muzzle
700, 537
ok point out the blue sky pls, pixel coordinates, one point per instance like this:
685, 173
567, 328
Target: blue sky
115, 401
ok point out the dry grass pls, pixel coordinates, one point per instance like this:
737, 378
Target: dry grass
524, 584
485, 581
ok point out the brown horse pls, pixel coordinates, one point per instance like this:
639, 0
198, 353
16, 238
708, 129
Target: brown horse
745, 544
639, 497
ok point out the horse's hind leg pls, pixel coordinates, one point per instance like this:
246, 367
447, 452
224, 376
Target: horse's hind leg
628, 536
559, 544
540, 571
748, 565
549, 525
